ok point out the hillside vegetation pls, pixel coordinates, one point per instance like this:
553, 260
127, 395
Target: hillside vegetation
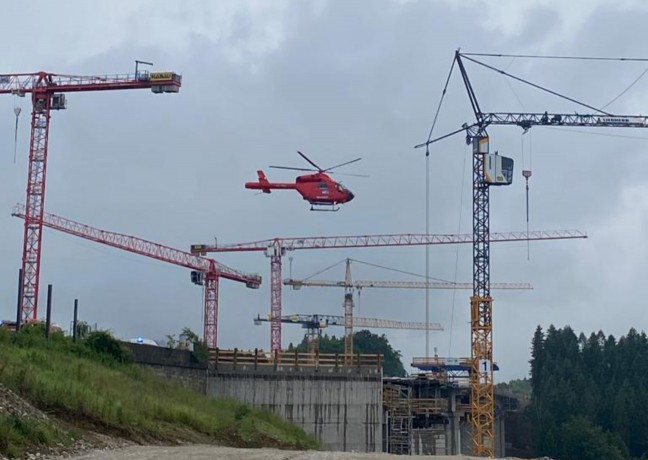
92, 385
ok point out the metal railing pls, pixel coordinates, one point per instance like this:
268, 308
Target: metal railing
262, 359
427, 406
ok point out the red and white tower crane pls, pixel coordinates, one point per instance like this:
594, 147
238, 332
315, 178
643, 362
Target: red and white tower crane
276, 248
48, 93
204, 270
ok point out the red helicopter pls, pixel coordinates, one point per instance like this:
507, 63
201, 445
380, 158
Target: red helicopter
322, 192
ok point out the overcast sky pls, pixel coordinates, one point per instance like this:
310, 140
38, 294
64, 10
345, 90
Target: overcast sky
336, 80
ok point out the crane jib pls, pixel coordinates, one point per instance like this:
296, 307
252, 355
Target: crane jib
526, 120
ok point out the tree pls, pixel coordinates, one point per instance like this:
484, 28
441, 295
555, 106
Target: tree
582, 440
200, 349
537, 348
521, 388
172, 342
188, 339
589, 394
82, 330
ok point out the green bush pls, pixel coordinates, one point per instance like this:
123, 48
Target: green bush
104, 344
582, 440
5, 335
241, 411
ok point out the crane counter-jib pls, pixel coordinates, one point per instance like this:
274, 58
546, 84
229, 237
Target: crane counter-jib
20, 84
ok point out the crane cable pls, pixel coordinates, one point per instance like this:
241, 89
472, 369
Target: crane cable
427, 210
399, 271
454, 291
326, 269
17, 109
628, 88
539, 56
527, 82
526, 173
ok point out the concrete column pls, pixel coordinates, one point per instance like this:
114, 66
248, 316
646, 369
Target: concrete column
456, 434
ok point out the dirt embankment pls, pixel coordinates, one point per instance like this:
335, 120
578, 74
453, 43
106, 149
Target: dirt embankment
12, 404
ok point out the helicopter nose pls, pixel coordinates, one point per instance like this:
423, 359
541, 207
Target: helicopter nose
350, 196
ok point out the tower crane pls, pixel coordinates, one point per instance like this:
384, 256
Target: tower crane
349, 285
315, 323
276, 249
48, 93
204, 270
481, 302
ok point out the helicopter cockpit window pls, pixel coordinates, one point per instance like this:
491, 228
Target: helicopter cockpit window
340, 188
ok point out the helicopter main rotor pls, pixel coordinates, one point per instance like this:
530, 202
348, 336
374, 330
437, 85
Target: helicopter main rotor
320, 170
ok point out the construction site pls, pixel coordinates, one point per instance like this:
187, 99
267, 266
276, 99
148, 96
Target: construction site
445, 405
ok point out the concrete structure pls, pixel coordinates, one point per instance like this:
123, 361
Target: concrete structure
179, 365
346, 406
341, 407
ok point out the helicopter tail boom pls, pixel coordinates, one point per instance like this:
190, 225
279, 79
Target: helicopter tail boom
265, 185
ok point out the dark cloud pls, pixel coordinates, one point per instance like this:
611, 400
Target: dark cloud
336, 80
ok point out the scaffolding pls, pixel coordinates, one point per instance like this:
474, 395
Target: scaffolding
424, 413
397, 400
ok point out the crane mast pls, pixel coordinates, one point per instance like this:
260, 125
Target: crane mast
48, 93
348, 312
209, 270
481, 303
275, 249
482, 410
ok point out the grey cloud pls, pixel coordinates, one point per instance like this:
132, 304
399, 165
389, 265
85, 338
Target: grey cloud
348, 79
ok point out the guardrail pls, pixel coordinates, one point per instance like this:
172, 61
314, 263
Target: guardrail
262, 359
441, 362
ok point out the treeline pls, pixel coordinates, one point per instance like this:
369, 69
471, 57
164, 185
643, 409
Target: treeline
589, 395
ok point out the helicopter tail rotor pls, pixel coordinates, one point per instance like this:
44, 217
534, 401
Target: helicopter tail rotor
263, 181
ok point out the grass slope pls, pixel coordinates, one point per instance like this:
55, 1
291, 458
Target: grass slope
95, 390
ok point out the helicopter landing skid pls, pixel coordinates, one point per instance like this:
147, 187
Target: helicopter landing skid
325, 207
